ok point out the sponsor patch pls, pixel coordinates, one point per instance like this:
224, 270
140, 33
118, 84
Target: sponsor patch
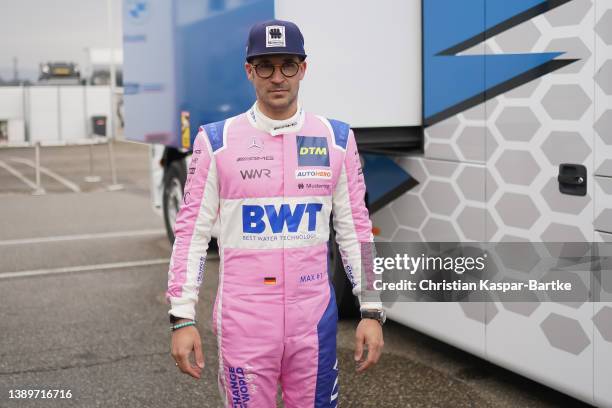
311, 277
312, 151
313, 174
255, 173
185, 130
255, 218
239, 387
201, 269
275, 36
256, 144
250, 158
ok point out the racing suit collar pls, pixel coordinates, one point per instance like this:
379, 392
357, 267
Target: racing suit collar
275, 127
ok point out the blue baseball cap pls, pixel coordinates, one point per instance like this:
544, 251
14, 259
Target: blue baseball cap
275, 37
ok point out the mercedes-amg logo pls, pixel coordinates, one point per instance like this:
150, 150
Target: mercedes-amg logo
255, 144
275, 33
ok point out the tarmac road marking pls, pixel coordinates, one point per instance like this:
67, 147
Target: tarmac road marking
84, 268
49, 173
100, 235
17, 174
90, 268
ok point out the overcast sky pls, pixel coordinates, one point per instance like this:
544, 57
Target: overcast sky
36, 31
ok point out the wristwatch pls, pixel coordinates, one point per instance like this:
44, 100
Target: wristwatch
379, 315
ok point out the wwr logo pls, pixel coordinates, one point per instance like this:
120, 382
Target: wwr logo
255, 173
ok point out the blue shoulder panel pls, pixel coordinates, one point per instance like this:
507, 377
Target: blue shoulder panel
215, 134
341, 132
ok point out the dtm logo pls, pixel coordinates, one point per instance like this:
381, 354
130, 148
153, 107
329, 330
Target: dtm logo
253, 217
312, 151
254, 173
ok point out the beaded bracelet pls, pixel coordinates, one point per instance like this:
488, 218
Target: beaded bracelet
181, 325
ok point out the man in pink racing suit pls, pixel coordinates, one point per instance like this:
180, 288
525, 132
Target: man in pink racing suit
273, 175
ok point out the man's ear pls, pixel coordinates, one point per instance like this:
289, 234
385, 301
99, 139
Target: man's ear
303, 67
248, 68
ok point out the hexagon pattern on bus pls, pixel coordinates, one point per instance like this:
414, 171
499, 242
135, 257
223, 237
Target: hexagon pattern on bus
565, 333
603, 78
566, 102
574, 48
517, 210
603, 28
603, 126
518, 124
530, 122
565, 147
571, 14
567, 204
517, 167
603, 322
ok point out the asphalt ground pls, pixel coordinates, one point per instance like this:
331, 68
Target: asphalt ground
82, 281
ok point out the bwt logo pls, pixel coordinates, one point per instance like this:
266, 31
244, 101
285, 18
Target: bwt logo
312, 151
254, 173
275, 33
254, 217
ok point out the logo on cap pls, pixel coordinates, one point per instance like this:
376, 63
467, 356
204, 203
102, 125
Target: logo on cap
275, 36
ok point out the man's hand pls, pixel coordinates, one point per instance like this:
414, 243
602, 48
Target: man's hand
184, 341
369, 332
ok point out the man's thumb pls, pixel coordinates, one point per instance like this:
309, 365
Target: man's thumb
199, 357
358, 349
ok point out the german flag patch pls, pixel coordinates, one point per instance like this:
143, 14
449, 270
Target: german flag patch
270, 281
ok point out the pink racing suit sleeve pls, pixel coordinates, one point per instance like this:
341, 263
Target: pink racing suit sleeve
352, 223
192, 230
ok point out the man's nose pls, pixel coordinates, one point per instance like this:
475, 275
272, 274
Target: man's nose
277, 77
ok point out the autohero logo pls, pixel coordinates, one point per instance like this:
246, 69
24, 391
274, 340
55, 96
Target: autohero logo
313, 174
239, 387
255, 173
256, 218
312, 151
275, 36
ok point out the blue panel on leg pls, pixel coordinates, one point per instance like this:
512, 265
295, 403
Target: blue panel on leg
326, 394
